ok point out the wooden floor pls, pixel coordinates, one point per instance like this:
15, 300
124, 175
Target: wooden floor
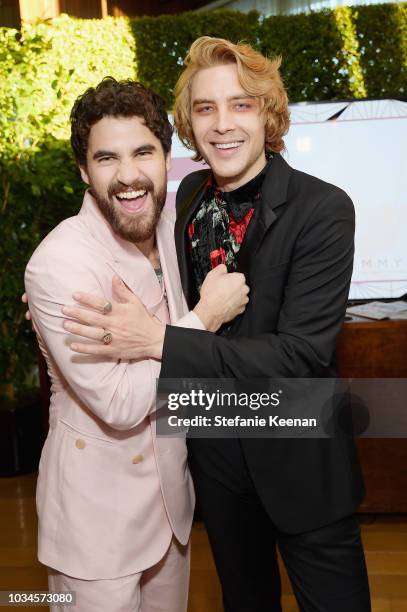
385, 541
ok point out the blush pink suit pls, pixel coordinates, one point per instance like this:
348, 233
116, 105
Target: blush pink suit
111, 495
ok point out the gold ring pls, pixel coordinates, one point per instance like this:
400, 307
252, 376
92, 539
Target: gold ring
107, 308
107, 337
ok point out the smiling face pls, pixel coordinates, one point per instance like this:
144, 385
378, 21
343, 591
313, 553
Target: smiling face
126, 169
228, 127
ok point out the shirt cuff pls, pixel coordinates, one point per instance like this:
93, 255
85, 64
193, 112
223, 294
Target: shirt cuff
191, 320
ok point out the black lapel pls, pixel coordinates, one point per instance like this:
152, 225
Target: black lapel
273, 194
187, 204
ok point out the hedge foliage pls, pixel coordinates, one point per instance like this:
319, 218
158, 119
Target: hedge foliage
319, 55
43, 68
350, 52
163, 42
382, 34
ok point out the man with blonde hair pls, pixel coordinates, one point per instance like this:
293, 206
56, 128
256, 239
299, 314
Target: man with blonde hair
292, 236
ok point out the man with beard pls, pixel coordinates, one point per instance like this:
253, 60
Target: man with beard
115, 502
291, 234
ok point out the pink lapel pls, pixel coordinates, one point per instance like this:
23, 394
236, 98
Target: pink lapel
169, 264
125, 259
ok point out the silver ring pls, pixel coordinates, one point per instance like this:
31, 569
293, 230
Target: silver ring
107, 308
107, 337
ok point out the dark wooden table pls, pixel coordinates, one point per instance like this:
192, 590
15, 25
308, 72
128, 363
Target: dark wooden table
378, 349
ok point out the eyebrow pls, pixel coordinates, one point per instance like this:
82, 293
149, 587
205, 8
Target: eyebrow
106, 153
231, 98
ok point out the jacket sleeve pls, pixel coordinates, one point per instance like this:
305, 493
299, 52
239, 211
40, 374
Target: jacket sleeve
311, 315
120, 393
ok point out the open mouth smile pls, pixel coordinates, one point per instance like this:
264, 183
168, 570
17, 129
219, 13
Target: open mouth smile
132, 201
227, 148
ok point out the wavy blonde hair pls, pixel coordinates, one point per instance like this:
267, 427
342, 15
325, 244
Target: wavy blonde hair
258, 75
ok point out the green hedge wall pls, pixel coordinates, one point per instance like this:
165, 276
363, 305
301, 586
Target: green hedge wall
163, 42
349, 52
346, 53
43, 68
318, 58
382, 35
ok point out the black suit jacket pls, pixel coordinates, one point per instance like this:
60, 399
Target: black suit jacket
297, 257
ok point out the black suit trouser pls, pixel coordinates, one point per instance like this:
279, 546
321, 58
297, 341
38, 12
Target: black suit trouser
326, 566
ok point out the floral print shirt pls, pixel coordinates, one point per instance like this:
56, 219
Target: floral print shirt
219, 226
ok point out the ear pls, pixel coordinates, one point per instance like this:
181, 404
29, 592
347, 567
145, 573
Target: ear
168, 161
84, 174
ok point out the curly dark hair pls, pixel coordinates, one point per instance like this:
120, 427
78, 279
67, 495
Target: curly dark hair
113, 98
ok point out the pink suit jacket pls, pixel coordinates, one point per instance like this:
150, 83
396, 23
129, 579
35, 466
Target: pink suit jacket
103, 474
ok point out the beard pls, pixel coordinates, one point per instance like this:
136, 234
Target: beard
137, 228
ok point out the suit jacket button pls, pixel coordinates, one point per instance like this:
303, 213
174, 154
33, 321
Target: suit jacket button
138, 459
79, 443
